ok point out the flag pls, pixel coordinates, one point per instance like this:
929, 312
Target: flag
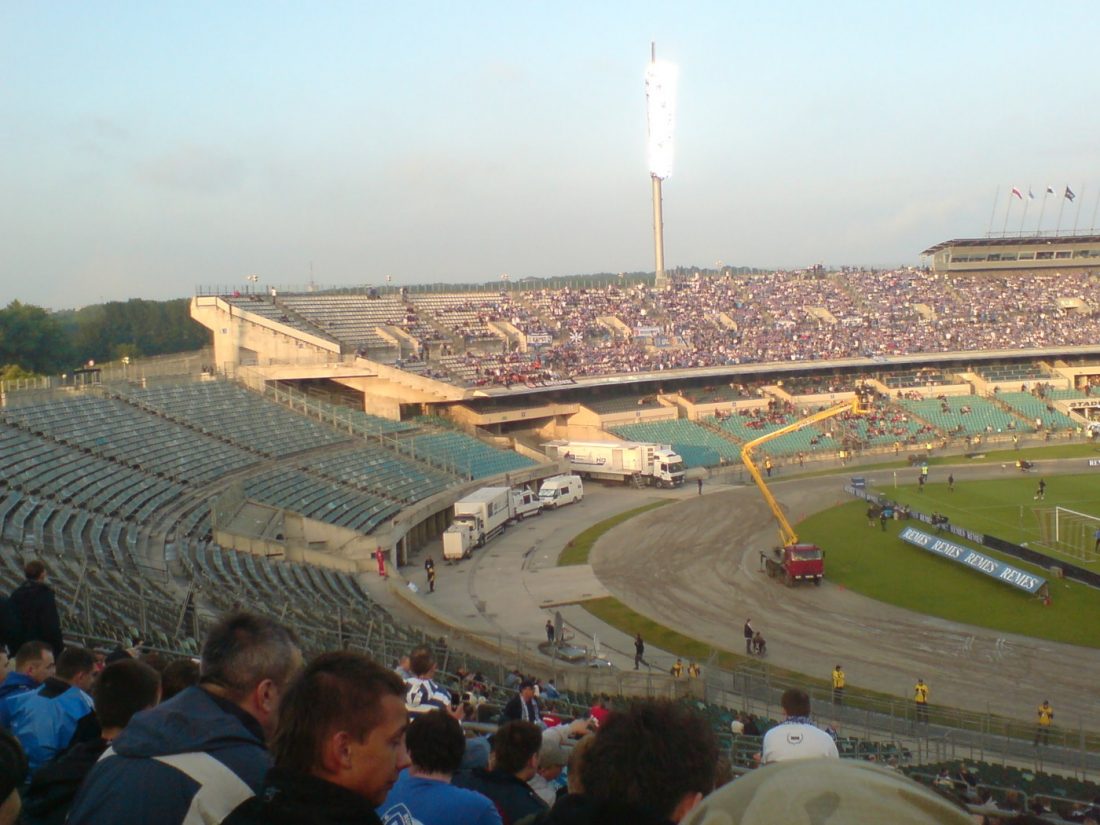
1069, 195
1050, 190
1030, 194
1017, 193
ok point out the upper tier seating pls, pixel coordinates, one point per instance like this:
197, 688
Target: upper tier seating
238, 416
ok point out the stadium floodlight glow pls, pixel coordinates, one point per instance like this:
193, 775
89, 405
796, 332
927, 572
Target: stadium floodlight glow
660, 95
660, 98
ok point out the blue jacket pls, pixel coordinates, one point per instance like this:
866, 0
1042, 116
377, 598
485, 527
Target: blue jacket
14, 684
44, 720
195, 754
416, 799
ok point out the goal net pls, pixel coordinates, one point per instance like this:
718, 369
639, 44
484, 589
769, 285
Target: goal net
1069, 532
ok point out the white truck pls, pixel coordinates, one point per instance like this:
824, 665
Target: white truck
636, 462
483, 514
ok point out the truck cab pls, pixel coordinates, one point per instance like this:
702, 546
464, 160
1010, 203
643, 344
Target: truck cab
668, 468
796, 563
804, 562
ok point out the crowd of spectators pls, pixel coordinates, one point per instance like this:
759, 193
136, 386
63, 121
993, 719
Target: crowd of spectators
252, 734
706, 320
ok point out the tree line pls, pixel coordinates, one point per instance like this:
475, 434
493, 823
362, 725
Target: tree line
34, 341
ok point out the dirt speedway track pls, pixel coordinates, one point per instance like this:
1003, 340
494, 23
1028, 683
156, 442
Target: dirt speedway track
693, 565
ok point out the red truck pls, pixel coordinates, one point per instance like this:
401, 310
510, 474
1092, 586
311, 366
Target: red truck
796, 563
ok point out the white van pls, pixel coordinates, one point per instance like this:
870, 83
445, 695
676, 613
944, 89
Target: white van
558, 490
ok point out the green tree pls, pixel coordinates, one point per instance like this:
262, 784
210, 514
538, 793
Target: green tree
32, 339
136, 328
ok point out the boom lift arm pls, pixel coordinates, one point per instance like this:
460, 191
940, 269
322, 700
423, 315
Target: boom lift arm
859, 405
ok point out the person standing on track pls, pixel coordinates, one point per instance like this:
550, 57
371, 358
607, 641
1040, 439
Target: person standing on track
1042, 723
639, 650
749, 632
920, 697
838, 686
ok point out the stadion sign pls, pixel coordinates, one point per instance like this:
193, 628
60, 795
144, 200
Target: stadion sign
972, 558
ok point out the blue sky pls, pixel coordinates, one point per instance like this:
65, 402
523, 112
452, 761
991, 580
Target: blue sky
152, 147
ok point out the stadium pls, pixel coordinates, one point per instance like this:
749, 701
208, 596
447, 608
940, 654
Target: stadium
325, 433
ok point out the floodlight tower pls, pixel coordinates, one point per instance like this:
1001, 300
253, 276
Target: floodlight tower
660, 94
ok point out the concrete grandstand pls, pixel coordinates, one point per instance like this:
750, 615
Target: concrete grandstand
1048, 254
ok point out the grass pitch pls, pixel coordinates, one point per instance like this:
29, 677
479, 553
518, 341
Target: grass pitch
1004, 508
878, 564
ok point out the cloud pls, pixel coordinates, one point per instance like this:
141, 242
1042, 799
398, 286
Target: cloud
199, 169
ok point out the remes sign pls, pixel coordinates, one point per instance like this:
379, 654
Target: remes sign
972, 558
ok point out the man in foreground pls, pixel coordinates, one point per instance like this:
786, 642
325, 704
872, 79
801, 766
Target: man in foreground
200, 755
338, 748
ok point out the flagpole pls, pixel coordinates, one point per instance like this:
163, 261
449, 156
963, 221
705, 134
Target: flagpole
1039, 225
1027, 205
1008, 208
1061, 209
1077, 214
1092, 223
996, 196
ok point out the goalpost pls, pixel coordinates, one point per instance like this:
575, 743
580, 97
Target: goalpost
1069, 531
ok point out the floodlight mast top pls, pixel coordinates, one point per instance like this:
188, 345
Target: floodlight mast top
660, 92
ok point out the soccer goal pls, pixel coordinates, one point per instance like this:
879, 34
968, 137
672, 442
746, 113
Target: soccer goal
1069, 531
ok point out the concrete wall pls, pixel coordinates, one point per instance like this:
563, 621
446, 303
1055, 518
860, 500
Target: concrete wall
262, 340
668, 412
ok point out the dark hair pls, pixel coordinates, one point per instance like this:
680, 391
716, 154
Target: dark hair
650, 756
34, 569
30, 652
514, 744
436, 742
177, 675
421, 661
74, 660
336, 691
122, 689
243, 649
795, 702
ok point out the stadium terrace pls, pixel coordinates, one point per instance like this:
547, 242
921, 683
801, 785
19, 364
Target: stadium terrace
519, 339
